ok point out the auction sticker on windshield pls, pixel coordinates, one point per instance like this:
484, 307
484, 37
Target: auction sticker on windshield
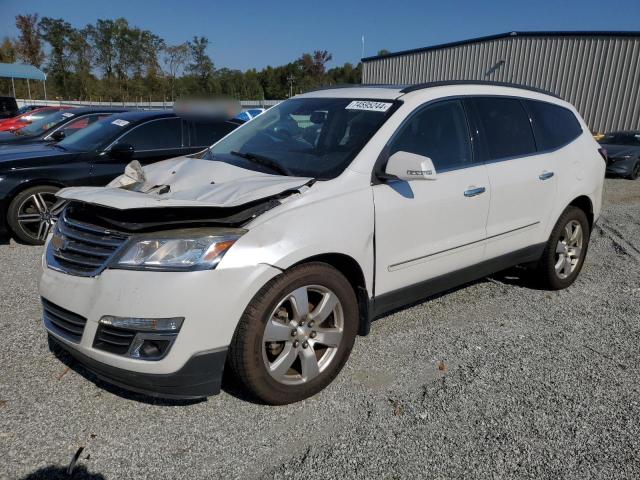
67, 114
369, 106
119, 122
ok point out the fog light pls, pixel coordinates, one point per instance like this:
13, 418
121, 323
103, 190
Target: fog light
172, 324
154, 347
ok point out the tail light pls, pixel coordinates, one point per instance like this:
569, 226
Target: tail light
603, 153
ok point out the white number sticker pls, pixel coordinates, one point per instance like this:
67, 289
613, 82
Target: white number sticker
369, 105
67, 115
119, 122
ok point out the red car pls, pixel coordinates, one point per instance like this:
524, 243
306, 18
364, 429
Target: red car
20, 121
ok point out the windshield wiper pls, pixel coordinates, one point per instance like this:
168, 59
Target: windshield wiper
261, 160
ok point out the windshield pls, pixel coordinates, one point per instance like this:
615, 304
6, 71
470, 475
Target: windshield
45, 123
621, 139
96, 136
309, 137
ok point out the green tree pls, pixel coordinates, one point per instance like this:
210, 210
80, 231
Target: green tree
29, 46
201, 65
384, 52
175, 58
57, 33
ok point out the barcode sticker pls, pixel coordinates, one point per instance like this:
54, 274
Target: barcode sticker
369, 106
119, 122
67, 114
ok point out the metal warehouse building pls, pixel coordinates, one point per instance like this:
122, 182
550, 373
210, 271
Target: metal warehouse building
599, 72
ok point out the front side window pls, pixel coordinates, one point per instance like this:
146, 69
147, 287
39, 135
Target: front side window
439, 132
155, 135
553, 126
504, 126
311, 137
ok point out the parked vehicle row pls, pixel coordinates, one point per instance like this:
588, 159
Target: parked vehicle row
273, 249
86, 146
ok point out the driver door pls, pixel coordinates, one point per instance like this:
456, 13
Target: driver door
425, 229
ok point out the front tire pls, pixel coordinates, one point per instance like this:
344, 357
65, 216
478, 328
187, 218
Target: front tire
33, 212
296, 334
635, 171
565, 250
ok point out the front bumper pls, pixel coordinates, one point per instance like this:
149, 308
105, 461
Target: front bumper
211, 302
200, 377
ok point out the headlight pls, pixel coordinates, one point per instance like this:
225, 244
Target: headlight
178, 251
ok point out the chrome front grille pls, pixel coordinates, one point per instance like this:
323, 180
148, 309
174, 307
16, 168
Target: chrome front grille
82, 249
67, 324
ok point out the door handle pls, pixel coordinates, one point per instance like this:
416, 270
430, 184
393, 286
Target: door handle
545, 175
472, 192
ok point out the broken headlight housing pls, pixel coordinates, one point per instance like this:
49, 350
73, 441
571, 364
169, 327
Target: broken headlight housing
179, 250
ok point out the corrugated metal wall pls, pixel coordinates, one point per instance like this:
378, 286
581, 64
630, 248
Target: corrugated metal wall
600, 75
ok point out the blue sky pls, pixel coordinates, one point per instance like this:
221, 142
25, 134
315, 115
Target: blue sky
247, 34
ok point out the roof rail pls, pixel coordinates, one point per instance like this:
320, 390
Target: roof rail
420, 86
358, 85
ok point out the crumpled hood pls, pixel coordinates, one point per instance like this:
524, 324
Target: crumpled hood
192, 183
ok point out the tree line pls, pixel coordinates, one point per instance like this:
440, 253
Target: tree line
112, 60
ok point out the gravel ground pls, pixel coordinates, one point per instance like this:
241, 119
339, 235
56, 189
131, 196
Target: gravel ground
494, 380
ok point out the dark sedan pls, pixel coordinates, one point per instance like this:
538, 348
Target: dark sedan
623, 150
56, 126
30, 175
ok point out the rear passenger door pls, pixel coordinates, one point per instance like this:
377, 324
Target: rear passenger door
523, 183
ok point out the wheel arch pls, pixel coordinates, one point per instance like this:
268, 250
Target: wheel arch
584, 203
353, 272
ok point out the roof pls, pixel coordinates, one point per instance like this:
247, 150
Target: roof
565, 33
392, 92
85, 110
18, 70
139, 115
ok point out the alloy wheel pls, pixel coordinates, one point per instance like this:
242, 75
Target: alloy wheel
302, 335
38, 213
569, 249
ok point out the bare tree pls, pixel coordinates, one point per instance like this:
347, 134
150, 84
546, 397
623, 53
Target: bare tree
175, 58
28, 45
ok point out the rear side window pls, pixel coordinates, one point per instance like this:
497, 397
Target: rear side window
438, 131
553, 126
155, 135
204, 134
504, 126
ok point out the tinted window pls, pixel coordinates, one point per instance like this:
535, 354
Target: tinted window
155, 135
439, 132
204, 134
505, 127
553, 126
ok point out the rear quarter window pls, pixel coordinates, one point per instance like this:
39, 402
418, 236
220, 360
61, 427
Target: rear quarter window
204, 134
553, 126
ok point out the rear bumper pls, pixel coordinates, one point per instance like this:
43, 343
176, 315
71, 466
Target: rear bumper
200, 377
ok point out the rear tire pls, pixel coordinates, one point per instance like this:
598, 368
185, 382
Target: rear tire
296, 334
33, 212
635, 171
565, 251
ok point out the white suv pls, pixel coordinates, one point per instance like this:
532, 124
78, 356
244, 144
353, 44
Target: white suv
272, 250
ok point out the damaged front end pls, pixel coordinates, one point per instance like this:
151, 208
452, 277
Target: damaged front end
146, 221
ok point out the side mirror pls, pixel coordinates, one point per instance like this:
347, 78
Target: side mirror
122, 151
409, 166
58, 135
